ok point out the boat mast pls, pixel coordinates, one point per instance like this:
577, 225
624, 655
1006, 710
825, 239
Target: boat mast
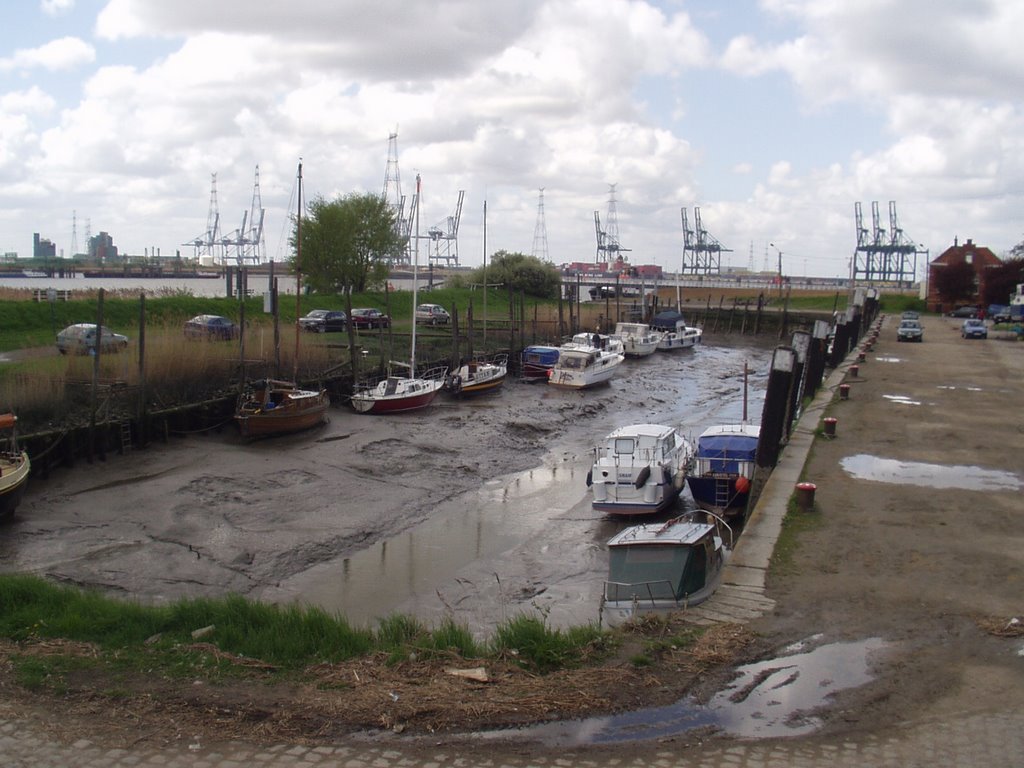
415, 266
298, 275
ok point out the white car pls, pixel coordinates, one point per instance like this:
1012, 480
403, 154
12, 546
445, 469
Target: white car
80, 339
434, 314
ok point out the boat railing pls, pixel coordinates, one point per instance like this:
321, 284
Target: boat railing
643, 591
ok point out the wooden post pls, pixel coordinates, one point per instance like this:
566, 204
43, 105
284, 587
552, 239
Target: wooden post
775, 406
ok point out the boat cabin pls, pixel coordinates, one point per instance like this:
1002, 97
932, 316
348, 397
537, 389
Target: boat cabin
660, 563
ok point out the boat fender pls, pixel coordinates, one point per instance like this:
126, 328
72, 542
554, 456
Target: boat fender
590, 478
641, 478
666, 476
456, 384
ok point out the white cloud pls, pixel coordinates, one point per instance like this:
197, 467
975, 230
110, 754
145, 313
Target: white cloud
56, 7
57, 55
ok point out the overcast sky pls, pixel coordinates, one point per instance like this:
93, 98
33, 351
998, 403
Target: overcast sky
773, 117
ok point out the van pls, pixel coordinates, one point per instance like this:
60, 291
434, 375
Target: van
80, 339
434, 314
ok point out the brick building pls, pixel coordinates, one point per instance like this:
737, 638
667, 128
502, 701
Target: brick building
978, 256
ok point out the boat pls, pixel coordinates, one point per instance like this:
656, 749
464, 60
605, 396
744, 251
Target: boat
14, 467
537, 360
663, 567
722, 471
675, 333
586, 361
400, 392
639, 470
409, 391
477, 376
638, 339
272, 407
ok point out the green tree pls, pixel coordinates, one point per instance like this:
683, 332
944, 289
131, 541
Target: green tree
956, 282
524, 273
347, 243
1001, 282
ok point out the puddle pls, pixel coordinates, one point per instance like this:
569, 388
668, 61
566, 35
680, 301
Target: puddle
901, 400
865, 467
768, 699
889, 359
951, 388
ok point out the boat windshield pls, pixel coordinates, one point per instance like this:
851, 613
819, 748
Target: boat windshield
651, 571
624, 445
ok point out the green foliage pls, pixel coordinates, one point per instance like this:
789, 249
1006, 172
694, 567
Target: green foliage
524, 273
532, 644
347, 243
956, 282
794, 525
895, 303
1001, 282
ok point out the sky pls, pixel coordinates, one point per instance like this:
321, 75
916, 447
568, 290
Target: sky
772, 118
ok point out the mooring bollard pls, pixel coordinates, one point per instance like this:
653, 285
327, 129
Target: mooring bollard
805, 496
861, 356
844, 391
830, 426
854, 370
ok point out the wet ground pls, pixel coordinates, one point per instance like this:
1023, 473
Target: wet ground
474, 508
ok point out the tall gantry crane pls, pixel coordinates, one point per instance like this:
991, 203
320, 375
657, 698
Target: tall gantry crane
701, 252
883, 255
392, 195
247, 240
444, 238
540, 231
609, 249
207, 245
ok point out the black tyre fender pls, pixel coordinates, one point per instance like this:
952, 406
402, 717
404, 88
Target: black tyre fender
590, 478
642, 477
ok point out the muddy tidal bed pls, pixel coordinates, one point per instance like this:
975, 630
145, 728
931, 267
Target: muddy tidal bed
472, 508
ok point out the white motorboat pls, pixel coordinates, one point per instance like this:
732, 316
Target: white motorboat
676, 334
582, 364
639, 470
638, 339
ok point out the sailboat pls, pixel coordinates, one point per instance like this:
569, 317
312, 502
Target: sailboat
14, 468
273, 407
403, 390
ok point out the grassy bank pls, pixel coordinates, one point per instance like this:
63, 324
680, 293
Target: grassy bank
222, 636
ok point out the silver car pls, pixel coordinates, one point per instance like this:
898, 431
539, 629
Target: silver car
910, 330
80, 339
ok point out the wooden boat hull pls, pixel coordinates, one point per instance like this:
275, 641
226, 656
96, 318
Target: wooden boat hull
477, 378
14, 471
281, 410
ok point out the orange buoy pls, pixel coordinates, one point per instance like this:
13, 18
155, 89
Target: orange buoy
742, 484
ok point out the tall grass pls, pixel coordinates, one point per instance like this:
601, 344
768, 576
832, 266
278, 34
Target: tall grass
289, 637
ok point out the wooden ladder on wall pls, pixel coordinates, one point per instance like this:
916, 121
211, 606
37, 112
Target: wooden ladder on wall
126, 436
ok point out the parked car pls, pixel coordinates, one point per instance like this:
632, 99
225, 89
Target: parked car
968, 311
910, 330
370, 318
211, 327
910, 315
434, 314
80, 339
999, 313
324, 320
973, 328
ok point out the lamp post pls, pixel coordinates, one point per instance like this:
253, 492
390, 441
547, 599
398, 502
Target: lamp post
780, 267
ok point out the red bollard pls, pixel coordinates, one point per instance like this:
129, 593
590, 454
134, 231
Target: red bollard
844, 391
861, 356
854, 370
805, 496
830, 426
